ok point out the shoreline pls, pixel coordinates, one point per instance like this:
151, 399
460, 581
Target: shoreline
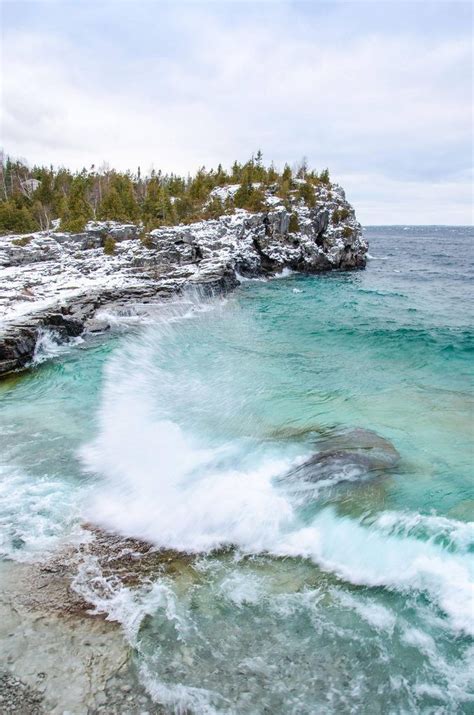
58, 655
56, 282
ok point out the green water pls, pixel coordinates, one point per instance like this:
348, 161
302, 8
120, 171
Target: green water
336, 596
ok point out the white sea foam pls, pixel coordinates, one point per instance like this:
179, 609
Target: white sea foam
36, 515
458, 535
284, 273
363, 555
49, 345
126, 606
376, 615
169, 486
184, 699
376, 258
132, 314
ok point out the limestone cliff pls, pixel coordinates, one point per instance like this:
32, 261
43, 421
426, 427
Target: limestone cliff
57, 281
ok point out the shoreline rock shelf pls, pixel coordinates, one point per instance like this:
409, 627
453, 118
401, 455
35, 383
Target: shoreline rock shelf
57, 281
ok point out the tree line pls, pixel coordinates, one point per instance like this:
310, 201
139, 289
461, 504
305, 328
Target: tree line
31, 198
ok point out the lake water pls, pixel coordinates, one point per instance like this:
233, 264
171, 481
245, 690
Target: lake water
346, 591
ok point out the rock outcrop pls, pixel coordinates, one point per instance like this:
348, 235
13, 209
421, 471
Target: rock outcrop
57, 281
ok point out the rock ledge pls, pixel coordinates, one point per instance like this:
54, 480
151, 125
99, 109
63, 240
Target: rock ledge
56, 282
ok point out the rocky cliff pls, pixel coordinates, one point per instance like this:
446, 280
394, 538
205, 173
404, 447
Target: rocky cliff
57, 281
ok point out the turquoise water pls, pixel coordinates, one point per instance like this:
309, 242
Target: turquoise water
352, 593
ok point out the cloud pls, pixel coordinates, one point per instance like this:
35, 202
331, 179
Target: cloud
207, 85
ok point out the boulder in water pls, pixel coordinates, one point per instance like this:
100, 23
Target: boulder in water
347, 455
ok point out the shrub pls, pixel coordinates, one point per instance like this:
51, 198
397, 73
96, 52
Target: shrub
147, 241
14, 219
340, 215
347, 232
109, 245
23, 241
294, 225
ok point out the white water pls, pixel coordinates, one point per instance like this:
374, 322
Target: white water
178, 490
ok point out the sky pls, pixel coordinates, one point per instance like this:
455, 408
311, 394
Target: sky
380, 92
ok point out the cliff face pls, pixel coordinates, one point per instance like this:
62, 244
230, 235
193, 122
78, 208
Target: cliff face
56, 281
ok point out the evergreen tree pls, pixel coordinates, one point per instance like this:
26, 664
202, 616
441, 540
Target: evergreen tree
287, 175
15, 219
77, 210
119, 203
160, 199
214, 208
184, 209
324, 177
236, 172
306, 193
242, 195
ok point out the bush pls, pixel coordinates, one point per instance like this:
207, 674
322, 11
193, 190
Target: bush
75, 224
23, 241
249, 197
294, 225
340, 215
14, 219
109, 246
347, 232
147, 241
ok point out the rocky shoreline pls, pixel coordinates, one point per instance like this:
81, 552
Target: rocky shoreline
59, 655
56, 282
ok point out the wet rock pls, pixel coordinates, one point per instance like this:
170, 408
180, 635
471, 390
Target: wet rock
347, 455
17, 347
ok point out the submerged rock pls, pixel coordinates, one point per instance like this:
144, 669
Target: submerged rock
347, 455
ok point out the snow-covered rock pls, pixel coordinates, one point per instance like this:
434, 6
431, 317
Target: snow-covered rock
59, 280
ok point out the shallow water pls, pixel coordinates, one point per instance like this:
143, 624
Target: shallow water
348, 594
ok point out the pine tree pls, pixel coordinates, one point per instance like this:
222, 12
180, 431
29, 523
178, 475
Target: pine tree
214, 208
287, 175
77, 209
306, 193
119, 203
324, 177
242, 195
236, 172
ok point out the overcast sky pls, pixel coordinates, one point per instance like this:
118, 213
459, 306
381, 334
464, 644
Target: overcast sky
379, 92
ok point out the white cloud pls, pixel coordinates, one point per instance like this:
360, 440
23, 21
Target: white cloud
381, 200
390, 115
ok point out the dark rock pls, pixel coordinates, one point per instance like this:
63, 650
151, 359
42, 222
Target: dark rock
347, 456
71, 327
320, 223
17, 348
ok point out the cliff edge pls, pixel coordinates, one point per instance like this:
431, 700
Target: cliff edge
56, 281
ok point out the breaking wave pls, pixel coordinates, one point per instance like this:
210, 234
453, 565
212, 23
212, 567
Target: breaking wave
178, 487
